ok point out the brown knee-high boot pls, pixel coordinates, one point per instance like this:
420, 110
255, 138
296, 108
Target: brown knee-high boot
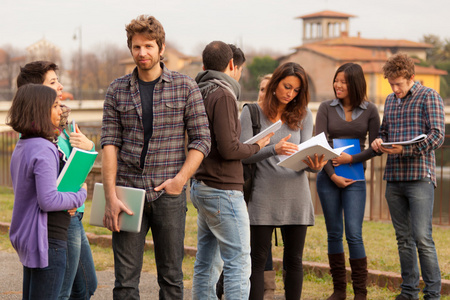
269, 284
339, 274
359, 277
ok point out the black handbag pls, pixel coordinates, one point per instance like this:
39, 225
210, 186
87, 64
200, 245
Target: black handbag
250, 169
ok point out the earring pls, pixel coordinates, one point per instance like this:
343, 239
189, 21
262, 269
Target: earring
274, 93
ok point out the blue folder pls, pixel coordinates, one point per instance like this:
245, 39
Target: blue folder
353, 171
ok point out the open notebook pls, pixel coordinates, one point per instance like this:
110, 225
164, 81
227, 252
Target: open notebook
132, 197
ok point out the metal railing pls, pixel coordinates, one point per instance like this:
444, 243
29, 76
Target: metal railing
376, 205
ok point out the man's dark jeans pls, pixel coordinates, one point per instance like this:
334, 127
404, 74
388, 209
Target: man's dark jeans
166, 217
411, 207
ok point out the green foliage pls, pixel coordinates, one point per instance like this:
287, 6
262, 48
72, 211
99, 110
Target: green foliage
434, 54
445, 80
260, 66
439, 56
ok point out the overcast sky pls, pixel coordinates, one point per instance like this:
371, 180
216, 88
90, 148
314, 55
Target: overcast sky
251, 24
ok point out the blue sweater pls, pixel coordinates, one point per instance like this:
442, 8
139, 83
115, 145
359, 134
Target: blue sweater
34, 169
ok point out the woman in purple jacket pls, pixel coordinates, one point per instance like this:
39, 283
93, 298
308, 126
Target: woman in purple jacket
39, 223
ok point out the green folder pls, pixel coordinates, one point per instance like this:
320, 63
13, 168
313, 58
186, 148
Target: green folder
76, 169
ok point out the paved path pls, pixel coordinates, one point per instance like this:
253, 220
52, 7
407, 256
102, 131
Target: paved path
11, 281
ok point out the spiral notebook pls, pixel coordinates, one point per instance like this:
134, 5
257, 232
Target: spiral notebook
134, 198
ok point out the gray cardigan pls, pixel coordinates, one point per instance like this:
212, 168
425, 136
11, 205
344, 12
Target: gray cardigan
280, 196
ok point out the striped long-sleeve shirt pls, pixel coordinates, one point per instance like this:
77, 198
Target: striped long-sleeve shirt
420, 112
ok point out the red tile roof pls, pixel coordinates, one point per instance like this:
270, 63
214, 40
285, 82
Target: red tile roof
361, 42
326, 13
429, 70
371, 61
346, 53
376, 67
3, 56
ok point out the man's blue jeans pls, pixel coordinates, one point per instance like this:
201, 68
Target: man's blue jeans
46, 283
80, 279
223, 238
411, 208
352, 202
166, 217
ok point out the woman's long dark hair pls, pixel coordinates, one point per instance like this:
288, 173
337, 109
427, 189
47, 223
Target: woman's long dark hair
356, 83
296, 109
30, 112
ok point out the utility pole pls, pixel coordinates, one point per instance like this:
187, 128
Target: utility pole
80, 64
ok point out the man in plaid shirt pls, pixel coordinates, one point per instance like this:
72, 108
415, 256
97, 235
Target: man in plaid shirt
145, 117
410, 173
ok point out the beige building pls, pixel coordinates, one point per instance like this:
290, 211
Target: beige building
326, 46
10, 66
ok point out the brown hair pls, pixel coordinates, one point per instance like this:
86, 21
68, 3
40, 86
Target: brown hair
397, 65
356, 83
30, 112
150, 27
35, 72
296, 109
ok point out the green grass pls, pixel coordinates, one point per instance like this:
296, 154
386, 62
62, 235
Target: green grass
6, 204
379, 238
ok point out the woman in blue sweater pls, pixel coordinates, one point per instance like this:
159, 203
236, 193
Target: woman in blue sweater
40, 219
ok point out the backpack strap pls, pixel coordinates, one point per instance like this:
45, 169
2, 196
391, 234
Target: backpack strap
254, 115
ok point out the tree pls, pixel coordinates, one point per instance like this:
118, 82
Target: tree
99, 68
445, 79
11, 59
260, 66
439, 57
434, 54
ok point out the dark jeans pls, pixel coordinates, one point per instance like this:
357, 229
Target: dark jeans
166, 217
411, 207
294, 241
46, 283
339, 204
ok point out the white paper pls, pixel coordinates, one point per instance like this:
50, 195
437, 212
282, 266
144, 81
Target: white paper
272, 128
417, 139
317, 144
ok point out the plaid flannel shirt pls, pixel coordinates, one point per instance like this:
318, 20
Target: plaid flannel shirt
421, 111
177, 108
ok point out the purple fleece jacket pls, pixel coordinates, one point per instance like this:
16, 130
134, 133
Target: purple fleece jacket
34, 170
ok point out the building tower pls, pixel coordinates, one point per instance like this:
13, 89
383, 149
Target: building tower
324, 25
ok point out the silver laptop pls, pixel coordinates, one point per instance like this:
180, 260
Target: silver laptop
134, 198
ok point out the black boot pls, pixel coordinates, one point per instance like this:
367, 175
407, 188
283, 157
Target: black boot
339, 274
359, 277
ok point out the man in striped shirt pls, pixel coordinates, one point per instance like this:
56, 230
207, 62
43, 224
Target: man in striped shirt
412, 109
